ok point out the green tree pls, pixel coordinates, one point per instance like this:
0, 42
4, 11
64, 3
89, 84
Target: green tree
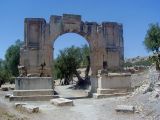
67, 63
4, 75
9, 66
12, 57
1, 64
152, 43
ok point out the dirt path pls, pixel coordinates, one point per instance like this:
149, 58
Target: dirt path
67, 92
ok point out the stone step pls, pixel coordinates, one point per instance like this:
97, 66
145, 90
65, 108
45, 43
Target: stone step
33, 92
33, 98
111, 91
96, 95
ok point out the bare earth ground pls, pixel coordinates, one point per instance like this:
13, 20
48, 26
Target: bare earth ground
147, 107
7, 111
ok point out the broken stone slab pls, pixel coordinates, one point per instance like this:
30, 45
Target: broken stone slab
62, 102
11, 88
7, 95
27, 108
125, 108
7, 87
30, 108
19, 105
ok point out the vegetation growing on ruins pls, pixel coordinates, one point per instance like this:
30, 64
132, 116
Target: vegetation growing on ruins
152, 43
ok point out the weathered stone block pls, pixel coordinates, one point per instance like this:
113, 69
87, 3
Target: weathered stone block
62, 102
4, 88
33, 89
114, 81
27, 108
71, 19
30, 108
33, 83
33, 92
7, 95
125, 108
113, 84
19, 105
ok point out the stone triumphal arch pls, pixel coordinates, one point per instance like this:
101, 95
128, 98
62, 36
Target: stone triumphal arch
105, 41
36, 57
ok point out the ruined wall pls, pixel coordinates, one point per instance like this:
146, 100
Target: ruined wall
105, 42
113, 35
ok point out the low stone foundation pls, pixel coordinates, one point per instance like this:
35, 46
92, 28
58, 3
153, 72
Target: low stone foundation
113, 84
33, 83
33, 89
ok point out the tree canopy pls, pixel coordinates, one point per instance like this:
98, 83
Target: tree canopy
69, 60
9, 66
12, 57
152, 43
152, 38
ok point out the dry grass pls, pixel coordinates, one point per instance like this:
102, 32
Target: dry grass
5, 115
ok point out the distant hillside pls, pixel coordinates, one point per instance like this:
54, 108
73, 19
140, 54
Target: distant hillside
137, 61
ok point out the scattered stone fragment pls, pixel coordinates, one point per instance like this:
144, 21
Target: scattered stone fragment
30, 108
4, 88
27, 108
62, 102
125, 108
19, 105
12, 88
138, 109
150, 88
7, 95
157, 96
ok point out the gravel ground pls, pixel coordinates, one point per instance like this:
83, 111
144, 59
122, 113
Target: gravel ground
7, 111
147, 106
67, 92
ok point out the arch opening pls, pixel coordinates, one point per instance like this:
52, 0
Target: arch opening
67, 40
75, 42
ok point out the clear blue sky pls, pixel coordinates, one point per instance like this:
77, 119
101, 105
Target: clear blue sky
135, 15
